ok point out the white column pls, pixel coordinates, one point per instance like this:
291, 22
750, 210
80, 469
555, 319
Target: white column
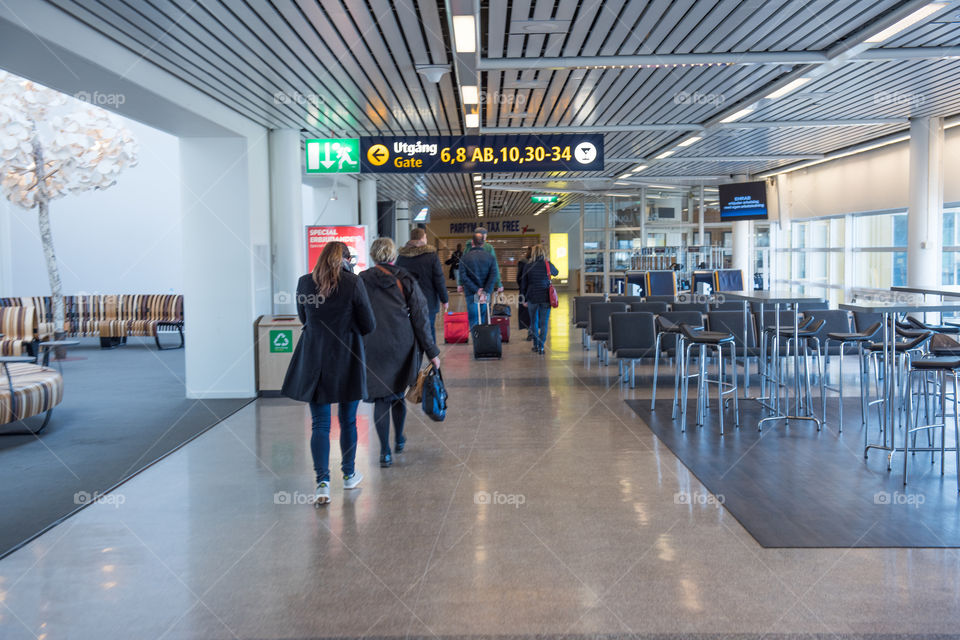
742, 250
402, 232
218, 283
6, 251
700, 220
643, 216
368, 206
925, 213
286, 218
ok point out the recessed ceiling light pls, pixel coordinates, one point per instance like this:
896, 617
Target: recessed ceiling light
907, 22
738, 114
465, 34
470, 93
638, 168
666, 154
787, 88
524, 84
472, 120
539, 26
626, 175
477, 178
521, 114
691, 140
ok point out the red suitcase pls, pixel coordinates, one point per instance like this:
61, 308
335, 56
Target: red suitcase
456, 327
504, 323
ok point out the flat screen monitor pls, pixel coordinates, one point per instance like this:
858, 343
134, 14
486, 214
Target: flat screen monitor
743, 201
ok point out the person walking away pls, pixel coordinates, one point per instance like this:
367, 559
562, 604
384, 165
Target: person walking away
523, 314
423, 263
394, 349
478, 275
454, 262
328, 364
535, 286
489, 249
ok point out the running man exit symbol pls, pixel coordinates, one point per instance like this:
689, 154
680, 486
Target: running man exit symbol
333, 155
281, 340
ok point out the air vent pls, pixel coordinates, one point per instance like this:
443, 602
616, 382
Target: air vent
530, 27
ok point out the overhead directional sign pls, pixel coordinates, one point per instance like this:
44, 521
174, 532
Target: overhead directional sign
544, 199
333, 155
468, 154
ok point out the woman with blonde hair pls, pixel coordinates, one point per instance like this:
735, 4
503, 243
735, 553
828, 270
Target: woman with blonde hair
328, 364
534, 286
394, 349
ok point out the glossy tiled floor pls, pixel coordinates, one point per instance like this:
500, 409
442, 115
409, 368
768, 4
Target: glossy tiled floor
581, 534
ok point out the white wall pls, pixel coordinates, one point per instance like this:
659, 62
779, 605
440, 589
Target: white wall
318, 208
876, 180
125, 239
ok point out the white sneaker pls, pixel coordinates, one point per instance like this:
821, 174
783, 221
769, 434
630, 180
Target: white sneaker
322, 496
353, 480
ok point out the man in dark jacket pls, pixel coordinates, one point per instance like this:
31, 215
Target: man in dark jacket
478, 278
423, 263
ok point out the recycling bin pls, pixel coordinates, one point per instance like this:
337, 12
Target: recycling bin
276, 338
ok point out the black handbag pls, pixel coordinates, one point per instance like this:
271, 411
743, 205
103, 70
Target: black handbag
434, 400
502, 310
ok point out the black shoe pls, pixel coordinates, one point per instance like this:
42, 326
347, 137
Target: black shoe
528, 338
540, 351
534, 348
386, 460
400, 446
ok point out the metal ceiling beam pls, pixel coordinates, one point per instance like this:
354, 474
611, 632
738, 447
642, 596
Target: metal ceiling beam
608, 128
702, 59
773, 124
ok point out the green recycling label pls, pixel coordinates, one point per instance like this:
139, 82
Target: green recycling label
333, 155
281, 340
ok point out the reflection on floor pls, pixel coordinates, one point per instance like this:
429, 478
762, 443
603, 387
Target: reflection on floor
544, 508
122, 409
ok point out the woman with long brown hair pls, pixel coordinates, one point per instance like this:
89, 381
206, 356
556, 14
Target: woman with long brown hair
328, 364
534, 287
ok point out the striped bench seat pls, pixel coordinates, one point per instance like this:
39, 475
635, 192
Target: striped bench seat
35, 390
18, 326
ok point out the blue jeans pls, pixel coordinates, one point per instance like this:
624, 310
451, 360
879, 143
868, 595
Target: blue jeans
432, 318
472, 311
320, 438
539, 319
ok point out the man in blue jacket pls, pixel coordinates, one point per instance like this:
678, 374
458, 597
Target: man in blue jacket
478, 277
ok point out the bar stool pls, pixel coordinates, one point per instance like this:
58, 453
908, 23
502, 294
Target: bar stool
668, 324
906, 351
706, 340
858, 340
941, 367
807, 332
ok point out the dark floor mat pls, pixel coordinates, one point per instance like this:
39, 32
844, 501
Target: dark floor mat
792, 486
122, 410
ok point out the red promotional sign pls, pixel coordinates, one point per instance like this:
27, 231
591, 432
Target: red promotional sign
354, 237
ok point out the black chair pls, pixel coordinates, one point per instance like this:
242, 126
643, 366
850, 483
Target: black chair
625, 299
667, 299
863, 320
727, 305
599, 326
699, 307
812, 305
581, 315
650, 307
632, 336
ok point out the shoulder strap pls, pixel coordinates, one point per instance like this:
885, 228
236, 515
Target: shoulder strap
399, 284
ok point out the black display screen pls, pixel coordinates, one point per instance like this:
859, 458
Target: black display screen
743, 201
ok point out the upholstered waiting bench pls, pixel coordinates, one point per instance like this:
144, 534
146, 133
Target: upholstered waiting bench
27, 390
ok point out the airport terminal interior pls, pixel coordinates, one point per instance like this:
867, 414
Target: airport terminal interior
693, 274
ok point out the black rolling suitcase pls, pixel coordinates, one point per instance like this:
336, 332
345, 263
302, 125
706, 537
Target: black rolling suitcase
487, 339
523, 317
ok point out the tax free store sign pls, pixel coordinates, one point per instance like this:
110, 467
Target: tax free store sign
455, 154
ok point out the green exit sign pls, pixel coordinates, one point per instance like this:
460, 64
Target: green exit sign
281, 340
333, 155
544, 199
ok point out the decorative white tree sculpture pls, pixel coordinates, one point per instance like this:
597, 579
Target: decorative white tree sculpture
52, 145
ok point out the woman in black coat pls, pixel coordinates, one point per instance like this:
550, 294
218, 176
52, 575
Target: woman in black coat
394, 349
454, 262
523, 314
535, 285
328, 362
